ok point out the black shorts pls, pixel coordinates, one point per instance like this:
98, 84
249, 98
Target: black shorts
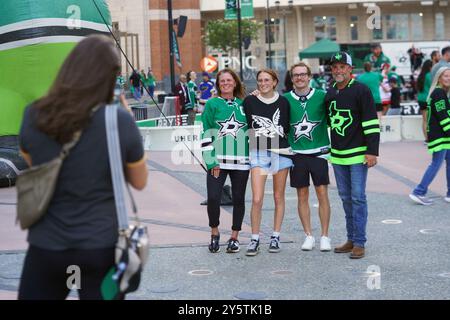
423, 105
306, 166
379, 107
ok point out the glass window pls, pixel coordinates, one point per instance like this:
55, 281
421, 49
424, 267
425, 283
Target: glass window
439, 27
416, 26
377, 33
278, 59
397, 27
275, 31
325, 27
353, 28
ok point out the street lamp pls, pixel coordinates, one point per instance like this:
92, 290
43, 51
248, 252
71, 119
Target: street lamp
284, 12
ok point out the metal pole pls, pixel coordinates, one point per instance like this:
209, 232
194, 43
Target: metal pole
171, 55
241, 68
268, 35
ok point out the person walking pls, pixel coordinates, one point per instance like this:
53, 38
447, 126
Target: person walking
308, 137
80, 226
355, 138
225, 152
268, 122
151, 82
423, 88
438, 136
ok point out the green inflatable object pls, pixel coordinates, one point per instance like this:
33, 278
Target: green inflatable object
35, 38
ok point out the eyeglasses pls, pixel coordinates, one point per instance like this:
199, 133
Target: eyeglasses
300, 75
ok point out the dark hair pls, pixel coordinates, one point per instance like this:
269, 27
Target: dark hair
85, 80
288, 85
426, 67
239, 90
367, 66
445, 50
375, 45
188, 75
270, 72
434, 53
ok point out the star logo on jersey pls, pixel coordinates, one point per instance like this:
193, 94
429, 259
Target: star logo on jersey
304, 128
340, 119
230, 127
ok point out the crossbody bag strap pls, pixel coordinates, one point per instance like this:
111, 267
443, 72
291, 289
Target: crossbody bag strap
115, 161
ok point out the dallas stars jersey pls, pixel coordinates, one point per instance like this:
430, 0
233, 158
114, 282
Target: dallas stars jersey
192, 95
438, 121
224, 137
308, 132
355, 129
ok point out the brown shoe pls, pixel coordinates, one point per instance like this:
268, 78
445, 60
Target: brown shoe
345, 248
357, 253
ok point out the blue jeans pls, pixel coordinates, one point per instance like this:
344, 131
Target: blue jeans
151, 90
431, 172
351, 184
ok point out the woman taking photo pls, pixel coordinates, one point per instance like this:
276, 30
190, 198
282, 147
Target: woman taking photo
268, 121
438, 135
225, 152
80, 226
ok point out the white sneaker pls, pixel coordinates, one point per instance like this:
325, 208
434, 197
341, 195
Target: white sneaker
447, 199
423, 200
309, 243
325, 244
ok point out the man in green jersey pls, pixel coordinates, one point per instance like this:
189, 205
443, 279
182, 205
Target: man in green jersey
376, 57
355, 138
308, 138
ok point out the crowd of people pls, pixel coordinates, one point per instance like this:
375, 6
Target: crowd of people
296, 133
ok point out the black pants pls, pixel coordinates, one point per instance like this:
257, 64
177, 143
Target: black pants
46, 273
214, 186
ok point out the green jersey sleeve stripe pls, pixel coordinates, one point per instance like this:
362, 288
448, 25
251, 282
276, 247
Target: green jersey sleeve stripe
348, 161
438, 141
446, 128
445, 121
367, 132
370, 123
444, 146
349, 151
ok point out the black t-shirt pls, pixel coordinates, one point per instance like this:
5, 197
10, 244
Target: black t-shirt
268, 122
82, 213
395, 98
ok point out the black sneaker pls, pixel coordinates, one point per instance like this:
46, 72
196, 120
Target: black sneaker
214, 245
233, 246
253, 248
274, 245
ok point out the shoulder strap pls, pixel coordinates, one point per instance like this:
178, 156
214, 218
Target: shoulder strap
115, 161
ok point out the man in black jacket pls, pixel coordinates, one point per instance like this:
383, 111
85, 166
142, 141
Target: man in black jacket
355, 137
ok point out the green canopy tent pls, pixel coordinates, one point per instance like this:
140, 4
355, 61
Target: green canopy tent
324, 48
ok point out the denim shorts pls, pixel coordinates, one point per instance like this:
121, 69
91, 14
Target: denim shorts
269, 161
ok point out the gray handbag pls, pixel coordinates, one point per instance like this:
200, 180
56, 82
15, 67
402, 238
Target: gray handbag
36, 185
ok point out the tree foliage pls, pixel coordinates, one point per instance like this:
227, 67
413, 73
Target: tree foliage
223, 34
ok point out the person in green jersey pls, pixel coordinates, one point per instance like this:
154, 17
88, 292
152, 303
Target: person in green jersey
373, 81
423, 87
438, 136
308, 138
225, 152
151, 82
355, 139
376, 57
191, 103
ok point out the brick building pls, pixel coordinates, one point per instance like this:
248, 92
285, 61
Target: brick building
143, 26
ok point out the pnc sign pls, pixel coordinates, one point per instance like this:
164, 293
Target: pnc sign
209, 64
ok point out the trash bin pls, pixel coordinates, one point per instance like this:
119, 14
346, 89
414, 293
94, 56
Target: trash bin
161, 98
